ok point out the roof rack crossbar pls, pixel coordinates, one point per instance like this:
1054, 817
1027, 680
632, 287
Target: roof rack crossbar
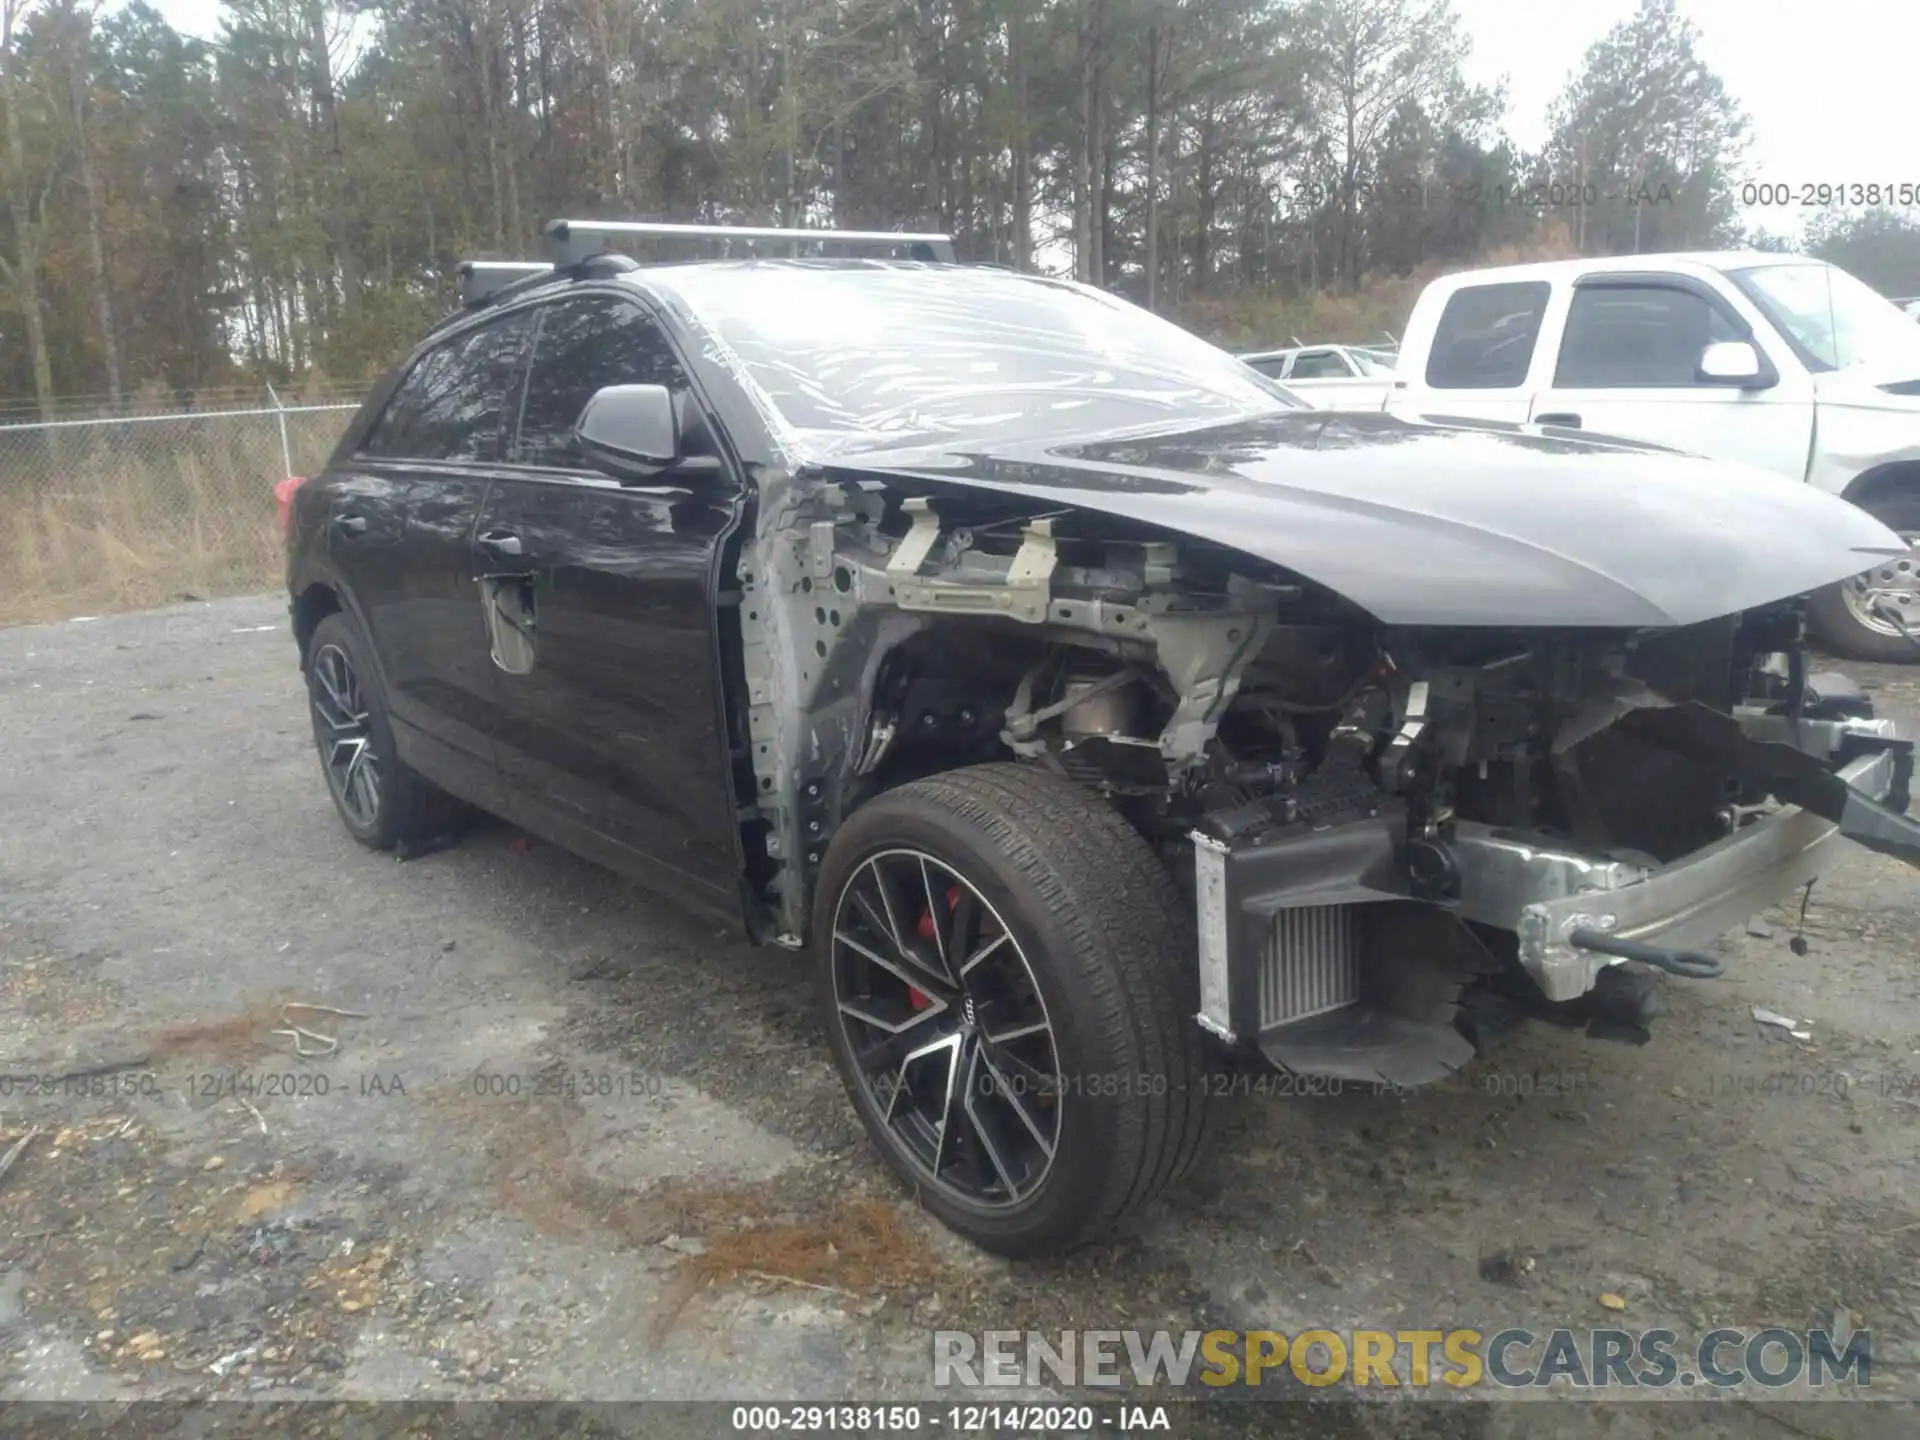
570, 241
481, 280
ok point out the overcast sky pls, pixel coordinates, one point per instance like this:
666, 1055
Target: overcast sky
1829, 83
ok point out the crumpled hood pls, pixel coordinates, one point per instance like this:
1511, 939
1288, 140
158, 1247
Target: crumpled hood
1449, 522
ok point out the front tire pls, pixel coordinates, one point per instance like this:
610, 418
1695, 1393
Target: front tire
1843, 616
1009, 990
380, 801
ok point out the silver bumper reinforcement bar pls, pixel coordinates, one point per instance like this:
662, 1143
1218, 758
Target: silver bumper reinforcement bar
1543, 893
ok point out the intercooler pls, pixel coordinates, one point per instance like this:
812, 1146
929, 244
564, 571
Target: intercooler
1310, 963
1294, 981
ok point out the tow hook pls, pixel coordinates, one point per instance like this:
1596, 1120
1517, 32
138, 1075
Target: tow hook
1690, 964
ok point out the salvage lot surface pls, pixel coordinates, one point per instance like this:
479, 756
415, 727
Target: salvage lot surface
572, 1144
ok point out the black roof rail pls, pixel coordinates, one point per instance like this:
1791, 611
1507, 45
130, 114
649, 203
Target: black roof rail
487, 282
579, 253
604, 262
483, 280
572, 241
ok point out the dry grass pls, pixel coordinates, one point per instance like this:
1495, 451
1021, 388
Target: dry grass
119, 516
1380, 306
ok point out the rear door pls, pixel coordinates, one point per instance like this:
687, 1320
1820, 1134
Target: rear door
609, 737
401, 538
1627, 361
1482, 360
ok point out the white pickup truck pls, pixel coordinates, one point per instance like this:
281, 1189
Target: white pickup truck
1779, 361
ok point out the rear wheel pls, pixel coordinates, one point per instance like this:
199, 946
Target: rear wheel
380, 801
1851, 618
1009, 991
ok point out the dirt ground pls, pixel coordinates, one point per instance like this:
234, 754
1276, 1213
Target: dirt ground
568, 1143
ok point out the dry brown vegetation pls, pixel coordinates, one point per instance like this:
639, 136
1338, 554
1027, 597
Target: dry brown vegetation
118, 516
1379, 307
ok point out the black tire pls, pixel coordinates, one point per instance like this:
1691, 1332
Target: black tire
1835, 623
1099, 928
404, 807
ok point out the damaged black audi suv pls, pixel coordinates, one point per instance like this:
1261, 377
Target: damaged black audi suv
1093, 717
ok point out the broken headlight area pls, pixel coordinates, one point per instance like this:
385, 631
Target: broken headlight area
1496, 827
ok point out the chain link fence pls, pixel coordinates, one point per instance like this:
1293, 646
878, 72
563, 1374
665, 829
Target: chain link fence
132, 510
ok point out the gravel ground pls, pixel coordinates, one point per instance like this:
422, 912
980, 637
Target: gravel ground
569, 1143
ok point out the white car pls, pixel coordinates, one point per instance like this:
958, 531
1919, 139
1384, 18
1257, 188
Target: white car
1783, 362
1327, 375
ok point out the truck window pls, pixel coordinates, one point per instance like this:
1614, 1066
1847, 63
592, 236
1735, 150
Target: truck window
1485, 337
1319, 365
1637, 336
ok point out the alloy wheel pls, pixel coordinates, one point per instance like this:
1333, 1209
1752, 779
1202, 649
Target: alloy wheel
1892, 585
345, 737
947, 1027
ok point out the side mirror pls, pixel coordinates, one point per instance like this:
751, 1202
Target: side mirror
630, 431
1735, 362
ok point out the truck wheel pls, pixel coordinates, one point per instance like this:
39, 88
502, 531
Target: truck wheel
1009, 989
381, 802
1843, 616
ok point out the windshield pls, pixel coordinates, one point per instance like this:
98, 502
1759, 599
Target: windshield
1370, 363
1832, 320
845, 355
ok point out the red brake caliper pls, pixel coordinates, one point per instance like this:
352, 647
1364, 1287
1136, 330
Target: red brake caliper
917, 998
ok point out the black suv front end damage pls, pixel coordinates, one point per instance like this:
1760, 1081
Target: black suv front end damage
1398, 838
1379, 937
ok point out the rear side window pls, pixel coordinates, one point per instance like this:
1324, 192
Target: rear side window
1637, 336
1271, 368
586, 342
1319, 365
455, 402
1485, 337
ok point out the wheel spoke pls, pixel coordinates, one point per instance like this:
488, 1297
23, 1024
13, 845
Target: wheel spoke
918, 978
1029, 1079
1017, 1103
936, 909
923, 1052
367, 785
889, 920
956, 1051
328, 673
981, 1129
353, 766
880, 918
963, 924
898, 1035
1018, 1032
896, 1027
983, 952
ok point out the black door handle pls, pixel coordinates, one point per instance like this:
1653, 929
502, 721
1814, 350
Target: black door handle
1565, 419
350, 524
501, 543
